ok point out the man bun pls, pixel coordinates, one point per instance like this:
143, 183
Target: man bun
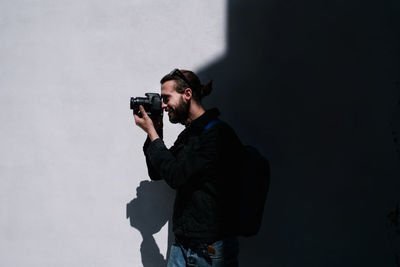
206, 89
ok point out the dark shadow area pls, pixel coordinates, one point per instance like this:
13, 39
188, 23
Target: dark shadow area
313, 85
396, 122
148, 213
393, 227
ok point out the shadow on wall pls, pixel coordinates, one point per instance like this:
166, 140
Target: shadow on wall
312, 84
148, 213
393, 229
396, 122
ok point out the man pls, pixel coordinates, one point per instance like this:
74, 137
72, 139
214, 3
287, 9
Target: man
203, 166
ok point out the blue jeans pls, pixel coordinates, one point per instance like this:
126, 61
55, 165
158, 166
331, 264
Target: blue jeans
222, 253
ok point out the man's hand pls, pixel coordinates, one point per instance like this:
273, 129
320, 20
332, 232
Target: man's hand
146, 124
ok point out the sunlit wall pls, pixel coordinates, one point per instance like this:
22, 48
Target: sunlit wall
71, 157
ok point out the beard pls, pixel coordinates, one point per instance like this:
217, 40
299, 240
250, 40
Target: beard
180, 113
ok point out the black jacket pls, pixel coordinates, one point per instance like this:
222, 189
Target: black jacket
203, 166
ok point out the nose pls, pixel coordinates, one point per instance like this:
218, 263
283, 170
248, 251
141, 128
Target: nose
163, 105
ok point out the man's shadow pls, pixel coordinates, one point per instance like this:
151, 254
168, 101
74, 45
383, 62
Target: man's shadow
148, 213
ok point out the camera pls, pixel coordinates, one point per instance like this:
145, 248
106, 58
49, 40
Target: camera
151, 103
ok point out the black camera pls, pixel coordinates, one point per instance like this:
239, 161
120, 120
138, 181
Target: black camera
151, 103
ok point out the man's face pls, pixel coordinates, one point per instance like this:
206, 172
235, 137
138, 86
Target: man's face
174, 103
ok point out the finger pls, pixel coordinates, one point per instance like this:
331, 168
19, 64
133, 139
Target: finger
142, 111
138, 120
144, 114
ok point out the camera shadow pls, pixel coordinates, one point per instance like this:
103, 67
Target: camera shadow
148, 213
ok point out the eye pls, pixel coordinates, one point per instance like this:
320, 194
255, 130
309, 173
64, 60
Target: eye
165, 99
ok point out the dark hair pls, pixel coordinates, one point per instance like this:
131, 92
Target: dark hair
198, 90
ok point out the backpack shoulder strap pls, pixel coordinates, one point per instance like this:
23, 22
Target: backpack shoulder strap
211, 123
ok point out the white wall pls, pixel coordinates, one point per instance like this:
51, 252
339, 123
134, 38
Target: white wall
71, 156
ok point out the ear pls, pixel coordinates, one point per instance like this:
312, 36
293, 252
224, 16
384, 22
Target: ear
187, 94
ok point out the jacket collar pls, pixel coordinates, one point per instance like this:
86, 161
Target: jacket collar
201, 122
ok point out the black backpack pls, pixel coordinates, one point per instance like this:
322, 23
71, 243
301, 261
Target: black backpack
255, 183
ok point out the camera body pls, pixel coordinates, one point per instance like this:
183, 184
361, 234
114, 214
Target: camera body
151, 103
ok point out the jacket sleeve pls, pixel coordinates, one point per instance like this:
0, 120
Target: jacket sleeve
190, 162
153, 174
